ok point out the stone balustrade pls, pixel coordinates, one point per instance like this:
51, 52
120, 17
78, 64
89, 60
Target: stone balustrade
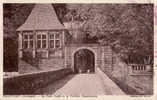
140, 69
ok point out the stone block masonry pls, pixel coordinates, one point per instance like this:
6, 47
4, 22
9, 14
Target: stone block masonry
40, 65
102, 55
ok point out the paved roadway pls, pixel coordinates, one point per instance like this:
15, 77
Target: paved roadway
82, 85
78, 85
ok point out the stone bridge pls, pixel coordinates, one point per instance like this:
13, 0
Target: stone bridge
61, 83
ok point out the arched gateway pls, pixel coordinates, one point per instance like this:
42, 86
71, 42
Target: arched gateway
84, 61
100, 56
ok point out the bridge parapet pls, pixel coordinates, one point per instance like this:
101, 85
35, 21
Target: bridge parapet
28, 83
110, 86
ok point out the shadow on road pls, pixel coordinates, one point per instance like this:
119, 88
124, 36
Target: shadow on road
52, 88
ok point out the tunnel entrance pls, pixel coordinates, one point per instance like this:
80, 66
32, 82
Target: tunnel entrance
84, 61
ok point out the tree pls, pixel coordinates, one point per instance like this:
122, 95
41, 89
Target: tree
128, 28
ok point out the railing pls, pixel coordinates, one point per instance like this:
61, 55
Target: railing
140, 69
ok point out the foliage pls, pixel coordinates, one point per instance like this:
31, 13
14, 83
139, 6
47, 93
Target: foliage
128, 28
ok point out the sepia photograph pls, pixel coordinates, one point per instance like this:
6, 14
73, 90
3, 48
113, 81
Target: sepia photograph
78, 49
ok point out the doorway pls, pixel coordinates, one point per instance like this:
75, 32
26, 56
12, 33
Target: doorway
84, 61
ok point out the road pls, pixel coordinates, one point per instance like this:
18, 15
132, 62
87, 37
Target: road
82, 85
86, 85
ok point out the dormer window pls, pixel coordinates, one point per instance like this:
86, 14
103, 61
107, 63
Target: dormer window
27, 41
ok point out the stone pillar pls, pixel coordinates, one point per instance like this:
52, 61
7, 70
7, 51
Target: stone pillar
102, 56
20, 53
34, 44
107, 59
68, 57
130, 70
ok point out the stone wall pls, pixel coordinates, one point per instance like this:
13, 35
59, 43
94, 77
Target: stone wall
26, 84
40, 64
107, 59
52, 63
110, 86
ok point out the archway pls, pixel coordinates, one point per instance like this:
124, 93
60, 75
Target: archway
84, 61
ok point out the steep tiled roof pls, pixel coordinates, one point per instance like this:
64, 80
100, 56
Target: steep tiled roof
42, 17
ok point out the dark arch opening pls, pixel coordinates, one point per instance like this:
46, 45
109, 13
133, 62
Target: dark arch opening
84, 61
